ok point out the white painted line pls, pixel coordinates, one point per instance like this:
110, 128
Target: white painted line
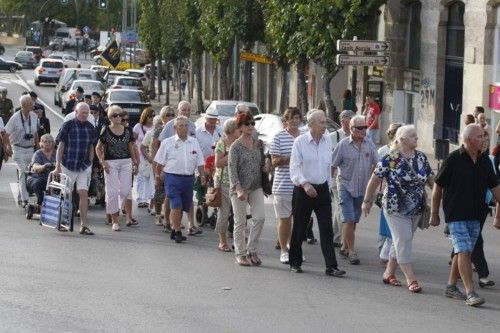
25, 84
14, 188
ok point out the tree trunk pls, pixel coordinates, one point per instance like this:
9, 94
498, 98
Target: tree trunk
197, 72
247, 81
152, 77
179, 85
224, 83
285, 87
167, 83
159, 76
302, 87
327, 97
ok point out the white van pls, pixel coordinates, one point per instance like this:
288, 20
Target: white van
68, 36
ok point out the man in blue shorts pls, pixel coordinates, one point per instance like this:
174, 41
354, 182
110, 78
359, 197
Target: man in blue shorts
177, 159
462, 182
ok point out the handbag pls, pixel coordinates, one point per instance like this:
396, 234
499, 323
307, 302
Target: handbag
379, 197
423, 220
267, 178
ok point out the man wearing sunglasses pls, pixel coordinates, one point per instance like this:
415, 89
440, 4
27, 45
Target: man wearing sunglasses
355, 156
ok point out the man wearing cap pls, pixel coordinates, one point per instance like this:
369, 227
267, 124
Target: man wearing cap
96, 101
343, 132
74, 100
6, 106
209, 133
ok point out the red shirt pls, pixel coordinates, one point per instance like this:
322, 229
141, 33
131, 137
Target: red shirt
372, 110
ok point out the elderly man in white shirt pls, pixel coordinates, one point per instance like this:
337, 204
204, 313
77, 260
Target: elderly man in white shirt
183, 109
177, 160
310, 171
21, 141
209, 134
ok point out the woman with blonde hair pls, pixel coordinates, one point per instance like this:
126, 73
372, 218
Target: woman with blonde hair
406, 172
117, 154
221, 180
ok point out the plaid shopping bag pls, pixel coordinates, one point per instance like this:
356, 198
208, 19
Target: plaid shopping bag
50, 214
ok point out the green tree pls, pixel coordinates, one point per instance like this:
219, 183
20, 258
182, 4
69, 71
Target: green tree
151, 36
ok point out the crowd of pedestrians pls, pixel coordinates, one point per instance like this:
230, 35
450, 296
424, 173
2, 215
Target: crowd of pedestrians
338, 176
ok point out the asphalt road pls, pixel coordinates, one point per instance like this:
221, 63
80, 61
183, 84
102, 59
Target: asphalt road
138, 280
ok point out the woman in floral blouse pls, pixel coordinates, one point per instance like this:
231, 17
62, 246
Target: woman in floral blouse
406, 171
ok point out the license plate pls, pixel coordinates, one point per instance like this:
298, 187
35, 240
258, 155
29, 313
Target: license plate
129, 110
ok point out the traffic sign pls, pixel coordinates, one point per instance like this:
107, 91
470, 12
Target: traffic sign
130, 37
86, 36
248, 56
86, 29
363, 45
362, 60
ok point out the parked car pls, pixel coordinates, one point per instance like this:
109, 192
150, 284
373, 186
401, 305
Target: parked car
37, 51
67, 77
101, 71
89, 86
48, 71
56, 44
127, 82
142, 75
109, 78
68, 59
10, 66
25, 58
132, 101
225, 110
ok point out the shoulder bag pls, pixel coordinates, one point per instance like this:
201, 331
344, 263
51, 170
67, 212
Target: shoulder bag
267, 178
423, 220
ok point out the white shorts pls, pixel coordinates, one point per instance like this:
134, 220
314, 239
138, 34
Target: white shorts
282, 206
81, 178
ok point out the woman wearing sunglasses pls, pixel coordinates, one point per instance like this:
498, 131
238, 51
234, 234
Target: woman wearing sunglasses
117, 153
245, 183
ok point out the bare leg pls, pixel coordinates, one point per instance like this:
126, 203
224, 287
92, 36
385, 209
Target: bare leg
390, 268
83, 205
175, 219
408, 272
454, 273
465, 269
284, 233
348, 236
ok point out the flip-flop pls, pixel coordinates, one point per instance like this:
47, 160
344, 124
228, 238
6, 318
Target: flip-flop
414, 287
391, 279
132, 222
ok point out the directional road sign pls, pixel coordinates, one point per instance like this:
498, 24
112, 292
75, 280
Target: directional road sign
362, 60
363, 45
130, 37
248, 56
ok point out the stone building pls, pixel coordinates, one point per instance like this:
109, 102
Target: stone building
445, 55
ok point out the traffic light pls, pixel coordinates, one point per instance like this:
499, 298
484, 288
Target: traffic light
64, 2
103, 4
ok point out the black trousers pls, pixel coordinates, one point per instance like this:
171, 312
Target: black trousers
302, 207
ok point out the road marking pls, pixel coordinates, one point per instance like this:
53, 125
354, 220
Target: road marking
14, 189
25, 84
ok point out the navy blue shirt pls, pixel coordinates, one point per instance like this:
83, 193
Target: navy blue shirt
78, 138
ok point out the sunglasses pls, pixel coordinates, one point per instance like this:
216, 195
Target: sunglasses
360, 128
124, 120
248, 123
116, 115
170, 115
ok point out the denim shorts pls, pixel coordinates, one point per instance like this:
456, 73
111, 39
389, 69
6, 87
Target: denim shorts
350, 208
464, 235
179, 189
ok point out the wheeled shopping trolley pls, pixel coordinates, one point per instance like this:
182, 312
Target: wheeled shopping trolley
57, 208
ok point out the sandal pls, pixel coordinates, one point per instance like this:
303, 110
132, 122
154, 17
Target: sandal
242, 261
391, 279
132, 222
254, 259
224, 248
414, 287
86, 231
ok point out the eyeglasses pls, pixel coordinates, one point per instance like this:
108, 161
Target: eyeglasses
360, 128
248, 123
116, 115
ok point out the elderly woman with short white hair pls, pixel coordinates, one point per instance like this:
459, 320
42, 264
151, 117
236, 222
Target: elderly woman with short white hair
406, 171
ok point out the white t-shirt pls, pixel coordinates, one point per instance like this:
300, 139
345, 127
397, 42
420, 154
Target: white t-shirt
180, 157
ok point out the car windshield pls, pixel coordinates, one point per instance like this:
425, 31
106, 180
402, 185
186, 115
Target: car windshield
134, 74
54, 56
127, 96
227, 110
52, 64
24, 54
88, 86
129, 82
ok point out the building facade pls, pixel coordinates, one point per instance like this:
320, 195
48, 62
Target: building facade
445, 56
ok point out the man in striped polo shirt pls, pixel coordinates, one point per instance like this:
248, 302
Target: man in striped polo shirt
280, 150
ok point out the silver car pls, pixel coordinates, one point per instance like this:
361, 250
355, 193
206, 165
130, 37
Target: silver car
89, 86
26, 58
49, 71
127, 82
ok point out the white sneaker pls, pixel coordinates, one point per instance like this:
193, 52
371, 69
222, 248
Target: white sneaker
284, 259
115, 227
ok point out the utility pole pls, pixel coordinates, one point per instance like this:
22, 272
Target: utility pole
354, 80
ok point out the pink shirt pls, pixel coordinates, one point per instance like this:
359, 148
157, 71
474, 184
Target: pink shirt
140, 131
